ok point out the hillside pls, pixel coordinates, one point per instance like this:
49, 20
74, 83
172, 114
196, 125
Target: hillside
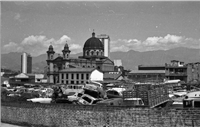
130, 59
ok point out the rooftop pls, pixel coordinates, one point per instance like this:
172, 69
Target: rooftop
147, 71
78, 70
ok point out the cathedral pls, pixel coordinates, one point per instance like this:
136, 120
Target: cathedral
66, 70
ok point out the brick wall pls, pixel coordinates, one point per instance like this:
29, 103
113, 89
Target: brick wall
62, 115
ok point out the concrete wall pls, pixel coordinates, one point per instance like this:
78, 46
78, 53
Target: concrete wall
62, 115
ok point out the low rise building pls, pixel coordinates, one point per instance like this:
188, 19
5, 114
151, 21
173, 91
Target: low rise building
79, 75
193, 72
176, 70
147, 75
27, 78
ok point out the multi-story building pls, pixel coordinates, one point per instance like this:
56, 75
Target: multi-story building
93, 58
188, 73
105, 39
147, 75
26, 63
193, 72
176, 70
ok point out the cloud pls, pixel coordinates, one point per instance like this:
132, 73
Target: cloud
154, 43
37, 45
12, 46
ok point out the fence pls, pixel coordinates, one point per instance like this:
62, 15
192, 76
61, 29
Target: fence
64, 115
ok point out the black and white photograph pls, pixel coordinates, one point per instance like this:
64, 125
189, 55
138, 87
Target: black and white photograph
100, 63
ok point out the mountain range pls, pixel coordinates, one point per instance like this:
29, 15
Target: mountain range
130, 59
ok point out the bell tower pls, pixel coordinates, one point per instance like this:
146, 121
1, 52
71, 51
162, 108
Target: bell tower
50, 53
66, 51
50, 58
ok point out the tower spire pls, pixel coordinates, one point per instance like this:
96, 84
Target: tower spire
93, 33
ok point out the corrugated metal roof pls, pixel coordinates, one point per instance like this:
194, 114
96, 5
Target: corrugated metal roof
147, 71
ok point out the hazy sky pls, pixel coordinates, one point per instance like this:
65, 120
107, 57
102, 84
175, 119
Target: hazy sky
140, 26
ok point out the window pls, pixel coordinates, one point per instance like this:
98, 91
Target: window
87, 99
82, 76
87, 53
92, 53
77, 76
87, 76
62, 76
77, 82
72, 82
66, 76
72, 76
51, 56
62, 81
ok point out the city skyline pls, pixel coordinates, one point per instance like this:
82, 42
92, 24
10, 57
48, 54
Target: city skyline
141, 26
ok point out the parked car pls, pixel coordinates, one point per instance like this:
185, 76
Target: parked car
40, 100
86, 99
74, 97
113, 94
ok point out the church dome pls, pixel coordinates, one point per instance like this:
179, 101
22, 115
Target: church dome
93, 43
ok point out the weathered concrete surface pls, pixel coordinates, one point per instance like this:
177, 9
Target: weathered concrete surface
62, 115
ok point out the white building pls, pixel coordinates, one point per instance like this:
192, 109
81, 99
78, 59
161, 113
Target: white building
79, 75
26, 63
105, 39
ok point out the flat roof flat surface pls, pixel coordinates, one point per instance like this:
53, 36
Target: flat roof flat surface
147, 71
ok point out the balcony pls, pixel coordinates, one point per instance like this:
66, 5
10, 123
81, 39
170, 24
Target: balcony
175, 74
175, 66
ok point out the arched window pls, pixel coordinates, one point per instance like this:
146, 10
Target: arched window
101, 53
92, 53
87, 53
97, 53
51, 57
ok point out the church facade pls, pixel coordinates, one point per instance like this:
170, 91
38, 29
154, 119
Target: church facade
65, 70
